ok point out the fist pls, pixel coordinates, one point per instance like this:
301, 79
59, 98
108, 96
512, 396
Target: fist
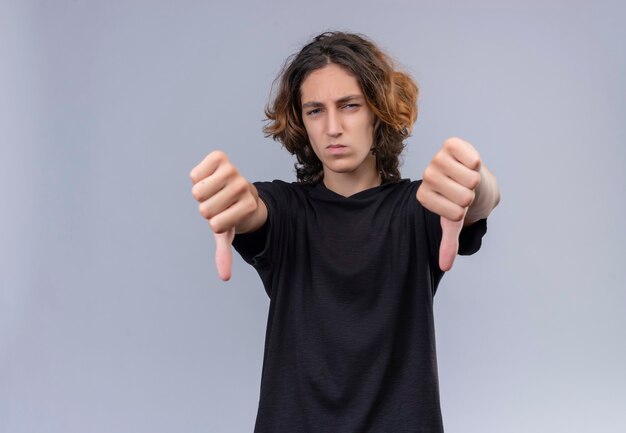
450, 180
448, 189
226, 199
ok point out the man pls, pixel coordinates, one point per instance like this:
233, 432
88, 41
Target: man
351, 254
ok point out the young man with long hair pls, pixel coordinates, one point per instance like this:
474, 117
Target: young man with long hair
351, 254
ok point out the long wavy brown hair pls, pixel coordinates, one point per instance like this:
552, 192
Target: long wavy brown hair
389, 93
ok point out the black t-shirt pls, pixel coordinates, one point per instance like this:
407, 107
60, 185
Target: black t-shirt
350, 339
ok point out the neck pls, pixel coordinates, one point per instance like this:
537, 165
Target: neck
347, 184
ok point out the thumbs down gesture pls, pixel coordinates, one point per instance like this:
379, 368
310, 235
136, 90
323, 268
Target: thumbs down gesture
459, 188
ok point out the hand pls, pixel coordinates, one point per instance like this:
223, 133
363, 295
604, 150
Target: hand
448, 189
226, 200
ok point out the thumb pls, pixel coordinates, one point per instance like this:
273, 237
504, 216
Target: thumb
224, 254
449, 246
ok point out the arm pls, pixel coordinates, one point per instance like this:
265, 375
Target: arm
461, 189
229, 202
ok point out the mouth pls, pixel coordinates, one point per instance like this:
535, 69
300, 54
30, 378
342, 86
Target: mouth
336, 149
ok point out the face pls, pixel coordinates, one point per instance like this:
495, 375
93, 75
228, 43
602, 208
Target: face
338, 122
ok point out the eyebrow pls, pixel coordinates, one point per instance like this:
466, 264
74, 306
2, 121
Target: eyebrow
342, 100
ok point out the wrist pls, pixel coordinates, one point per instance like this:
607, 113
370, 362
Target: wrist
487, 197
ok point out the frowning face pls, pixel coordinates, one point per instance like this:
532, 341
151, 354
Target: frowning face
339, 123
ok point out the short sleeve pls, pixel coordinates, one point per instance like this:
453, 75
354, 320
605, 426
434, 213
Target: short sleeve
262, 248
252, 247
471, 237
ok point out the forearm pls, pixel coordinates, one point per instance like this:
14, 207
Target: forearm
487, 197
257, 218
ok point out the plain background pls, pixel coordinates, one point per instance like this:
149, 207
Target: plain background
112, 318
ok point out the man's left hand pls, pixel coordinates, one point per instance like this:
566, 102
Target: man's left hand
448, 189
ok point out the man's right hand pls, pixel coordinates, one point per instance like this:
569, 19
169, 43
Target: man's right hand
229, 202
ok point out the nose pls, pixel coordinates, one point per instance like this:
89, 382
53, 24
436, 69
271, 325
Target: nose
333, 125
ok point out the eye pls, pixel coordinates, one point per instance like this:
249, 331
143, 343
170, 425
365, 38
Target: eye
314, 112
351, 106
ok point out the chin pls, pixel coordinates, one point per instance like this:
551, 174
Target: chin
341, 169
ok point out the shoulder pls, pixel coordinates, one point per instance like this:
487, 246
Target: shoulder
279, 193
278, 185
